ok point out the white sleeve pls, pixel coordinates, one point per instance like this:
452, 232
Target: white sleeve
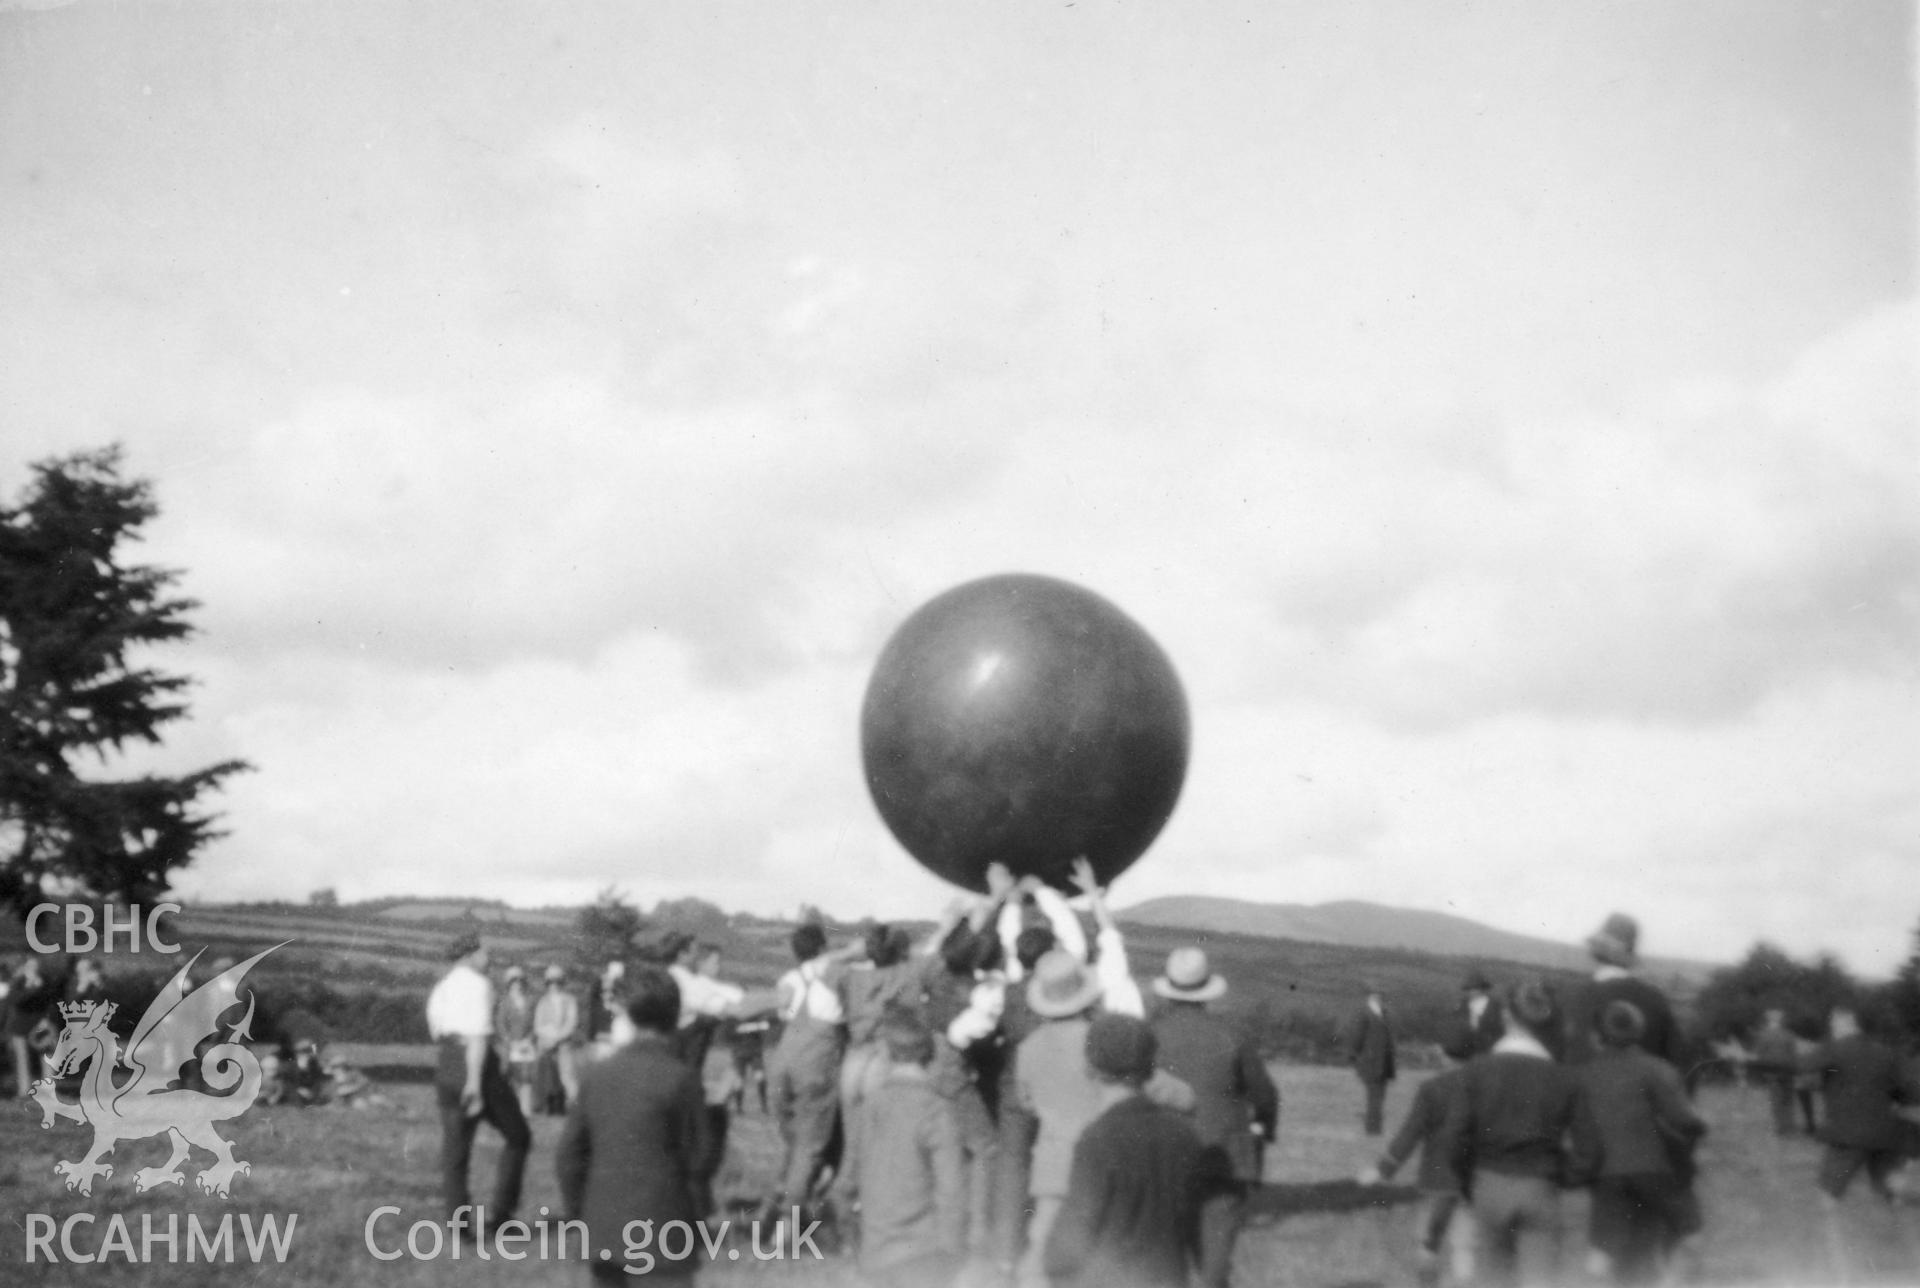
700, 995
1009, 925
1119, 993
483, 1003
981, 1017
461, 1006
1067, 931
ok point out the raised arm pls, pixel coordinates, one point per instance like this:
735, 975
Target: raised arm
1120, 993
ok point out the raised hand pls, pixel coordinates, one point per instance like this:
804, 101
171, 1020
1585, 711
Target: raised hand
1000, 881
1083, 878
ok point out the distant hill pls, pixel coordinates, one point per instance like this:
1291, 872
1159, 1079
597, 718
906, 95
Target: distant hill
1354, 923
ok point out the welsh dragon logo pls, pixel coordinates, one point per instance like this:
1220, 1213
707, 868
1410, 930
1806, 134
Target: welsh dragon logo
131, 1095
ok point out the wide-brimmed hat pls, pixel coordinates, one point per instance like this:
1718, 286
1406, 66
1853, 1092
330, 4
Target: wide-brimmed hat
464, 944
1062, 985
1476, 982
1617, 942
556, 974
1188, 978
513, 973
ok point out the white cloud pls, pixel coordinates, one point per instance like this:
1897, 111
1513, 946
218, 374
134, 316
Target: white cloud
553, 462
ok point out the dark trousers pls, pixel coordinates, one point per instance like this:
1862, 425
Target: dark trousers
705, 1168
1636, 1221
1013, 1169
1222, 1212
1805, 1096
805, 1075
1376, 1105
1780, 1099
498, 1106
980, 1143
1841, 1163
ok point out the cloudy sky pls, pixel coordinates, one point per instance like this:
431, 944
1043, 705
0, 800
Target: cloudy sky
1503, 414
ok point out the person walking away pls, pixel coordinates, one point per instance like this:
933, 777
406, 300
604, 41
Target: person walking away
513, 1031
1615, 950
471, 1088
1634, 1137
1236, 1109
1130, 1217
1507, 1135
905, 1171
1442, 1187
1370, 1050
1863, 1083
632, 1144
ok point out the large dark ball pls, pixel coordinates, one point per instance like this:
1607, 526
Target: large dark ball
1024, 720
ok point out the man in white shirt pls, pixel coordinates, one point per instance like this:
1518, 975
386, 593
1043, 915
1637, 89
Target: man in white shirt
805, 1069
471, 1087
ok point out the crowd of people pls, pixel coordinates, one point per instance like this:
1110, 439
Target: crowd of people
1003, 1103
994, 1096
1000, 1104
1547, 1093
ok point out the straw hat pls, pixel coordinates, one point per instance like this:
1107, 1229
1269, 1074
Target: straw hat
1187, 978
1062, 985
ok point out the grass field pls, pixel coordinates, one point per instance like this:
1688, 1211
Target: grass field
332, 1167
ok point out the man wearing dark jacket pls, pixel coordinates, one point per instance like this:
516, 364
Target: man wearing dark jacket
1863, 1081
1435, 1102
1370, 1052
1130, 1218
1633, 1139
1236, 1107
1615, 949
1507, 1137
634, 1139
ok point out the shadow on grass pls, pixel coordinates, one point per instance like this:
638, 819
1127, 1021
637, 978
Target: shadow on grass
1273, 1202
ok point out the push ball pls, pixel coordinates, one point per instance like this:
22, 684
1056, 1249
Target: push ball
1024, 720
